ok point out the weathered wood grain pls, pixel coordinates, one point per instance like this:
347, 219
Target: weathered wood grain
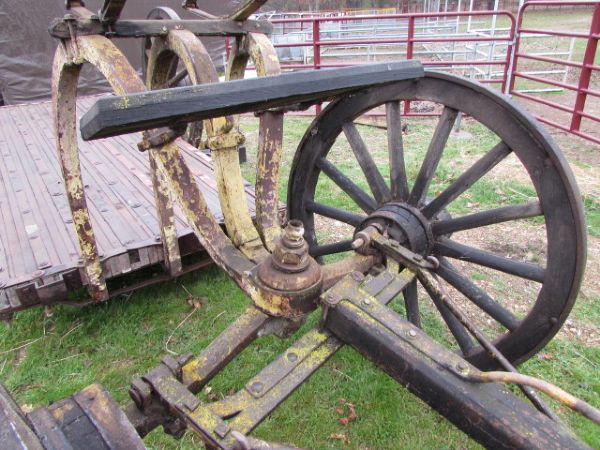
112, 116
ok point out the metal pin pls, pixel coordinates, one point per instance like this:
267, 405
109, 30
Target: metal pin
358, 243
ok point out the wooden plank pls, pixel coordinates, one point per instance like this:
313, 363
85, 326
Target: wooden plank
153, 28
47, 222
28, 163
112, 116
18, 249
51, 182
487, 412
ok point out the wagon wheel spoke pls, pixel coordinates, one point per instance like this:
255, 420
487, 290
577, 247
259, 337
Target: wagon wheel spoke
484, 218
427, 224
398, 180
433, 156
460, 333
452, 249
411, 303
477, 296
329, 249
486, 163
177, 78
360, 197
372, 174
335, 213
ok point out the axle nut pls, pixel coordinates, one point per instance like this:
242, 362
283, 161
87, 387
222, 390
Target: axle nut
290, 277
290, 267
291, 252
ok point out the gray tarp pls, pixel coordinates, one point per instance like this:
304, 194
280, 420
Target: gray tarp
27, 50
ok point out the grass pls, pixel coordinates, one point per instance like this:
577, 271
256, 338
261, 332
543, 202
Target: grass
44, 359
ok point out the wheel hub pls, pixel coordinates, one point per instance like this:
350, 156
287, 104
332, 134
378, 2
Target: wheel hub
404, 224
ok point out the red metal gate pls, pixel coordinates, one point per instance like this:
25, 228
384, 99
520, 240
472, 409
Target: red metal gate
320, 39
576, 105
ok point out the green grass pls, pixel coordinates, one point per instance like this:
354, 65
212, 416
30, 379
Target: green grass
115, 342
592, 214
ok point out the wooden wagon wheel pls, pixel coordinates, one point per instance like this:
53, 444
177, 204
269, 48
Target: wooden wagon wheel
419, 220
176, 74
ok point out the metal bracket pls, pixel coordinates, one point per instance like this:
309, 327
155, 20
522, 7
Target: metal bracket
160, 136
403, 255
227, 140
74, 4
111, 10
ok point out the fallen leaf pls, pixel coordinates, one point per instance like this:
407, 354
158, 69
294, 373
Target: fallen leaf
340, 437
352, 416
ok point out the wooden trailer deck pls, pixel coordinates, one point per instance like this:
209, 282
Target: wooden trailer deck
39, 254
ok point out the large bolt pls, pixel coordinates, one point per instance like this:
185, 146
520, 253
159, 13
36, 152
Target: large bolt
256, 387
291, 252
462, 366
357, 276
294, 233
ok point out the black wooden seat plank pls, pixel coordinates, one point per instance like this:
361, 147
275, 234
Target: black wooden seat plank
112, 116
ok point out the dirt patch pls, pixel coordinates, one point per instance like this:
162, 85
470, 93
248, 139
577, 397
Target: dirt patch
330, 230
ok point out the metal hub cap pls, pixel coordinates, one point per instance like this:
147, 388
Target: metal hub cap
404, 224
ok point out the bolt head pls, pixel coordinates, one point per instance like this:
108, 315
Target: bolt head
367, 301
412, 333
329, 299
357, 276
221, 430
257, 387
